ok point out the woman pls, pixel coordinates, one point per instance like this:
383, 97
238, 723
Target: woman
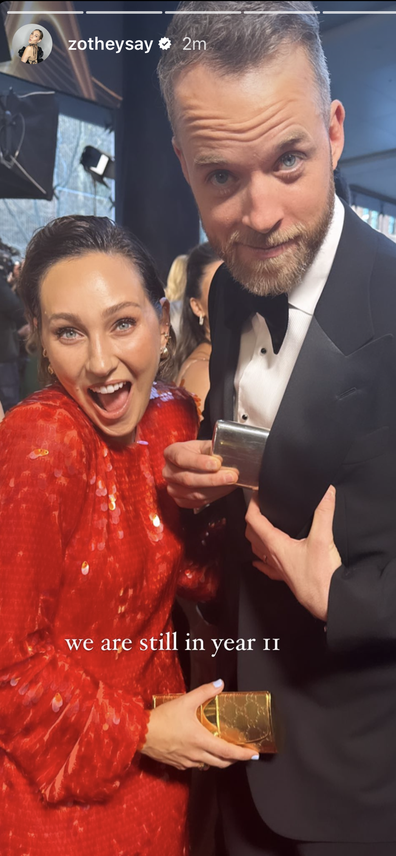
175, 285
32, 53
194, 348
92, 557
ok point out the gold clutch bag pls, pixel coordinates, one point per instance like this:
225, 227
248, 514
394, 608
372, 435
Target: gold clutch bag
246, 719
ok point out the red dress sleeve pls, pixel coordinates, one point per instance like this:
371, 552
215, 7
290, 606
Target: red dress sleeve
203, 533
72, 736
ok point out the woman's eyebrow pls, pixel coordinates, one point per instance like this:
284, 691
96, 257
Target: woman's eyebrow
119, 307
64, 316
75, 319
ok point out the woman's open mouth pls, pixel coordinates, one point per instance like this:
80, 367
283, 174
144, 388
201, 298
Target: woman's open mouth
111, 398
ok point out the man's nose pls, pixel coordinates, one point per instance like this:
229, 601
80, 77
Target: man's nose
262, 204
101, 358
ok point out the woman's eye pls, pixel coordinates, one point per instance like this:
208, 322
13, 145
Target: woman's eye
66, 333
125, 323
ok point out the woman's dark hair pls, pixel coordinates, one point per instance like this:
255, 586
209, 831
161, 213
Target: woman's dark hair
74, 236
192, 333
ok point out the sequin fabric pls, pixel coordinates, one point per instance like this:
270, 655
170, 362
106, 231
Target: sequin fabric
91, 549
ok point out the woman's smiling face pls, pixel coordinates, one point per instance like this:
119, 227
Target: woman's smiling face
103, 337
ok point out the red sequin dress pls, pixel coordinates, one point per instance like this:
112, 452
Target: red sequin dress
91, 548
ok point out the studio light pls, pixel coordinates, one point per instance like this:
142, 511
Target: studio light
99, 164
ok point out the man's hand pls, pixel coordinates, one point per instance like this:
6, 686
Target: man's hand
307, 566
195, 477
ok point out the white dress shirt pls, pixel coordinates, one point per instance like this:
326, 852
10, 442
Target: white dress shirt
261, 377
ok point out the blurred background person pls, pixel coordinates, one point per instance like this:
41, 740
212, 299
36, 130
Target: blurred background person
28, 377
13, 276
194, 348
12, 320
175, 286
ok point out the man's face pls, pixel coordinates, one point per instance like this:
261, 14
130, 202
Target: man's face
259, 157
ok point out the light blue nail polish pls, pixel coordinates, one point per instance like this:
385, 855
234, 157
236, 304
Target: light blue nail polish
217, 683
255, 757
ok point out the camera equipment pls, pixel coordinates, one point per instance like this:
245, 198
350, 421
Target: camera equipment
28, 130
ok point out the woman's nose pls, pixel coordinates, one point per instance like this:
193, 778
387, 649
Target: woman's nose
101, 359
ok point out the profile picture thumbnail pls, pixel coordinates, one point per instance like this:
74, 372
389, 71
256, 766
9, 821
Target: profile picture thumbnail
32, 44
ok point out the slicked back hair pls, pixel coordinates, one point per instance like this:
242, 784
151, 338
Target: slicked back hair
237, 43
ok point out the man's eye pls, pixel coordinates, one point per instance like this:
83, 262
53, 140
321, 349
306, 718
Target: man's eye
220, 177
289, 161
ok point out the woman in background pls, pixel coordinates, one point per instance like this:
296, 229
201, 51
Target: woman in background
194, 347
174, 290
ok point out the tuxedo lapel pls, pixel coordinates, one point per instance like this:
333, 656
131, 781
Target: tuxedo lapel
223, 300
328, 390
223, 367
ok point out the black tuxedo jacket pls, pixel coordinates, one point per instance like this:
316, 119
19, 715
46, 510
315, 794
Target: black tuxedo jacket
335, 686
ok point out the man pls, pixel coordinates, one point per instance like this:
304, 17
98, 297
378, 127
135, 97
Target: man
258, 139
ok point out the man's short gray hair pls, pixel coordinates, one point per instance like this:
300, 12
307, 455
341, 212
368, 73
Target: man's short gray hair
238, 43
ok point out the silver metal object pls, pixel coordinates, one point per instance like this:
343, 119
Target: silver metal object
241, 447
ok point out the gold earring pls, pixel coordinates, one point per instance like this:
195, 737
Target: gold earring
49, 367
165, 350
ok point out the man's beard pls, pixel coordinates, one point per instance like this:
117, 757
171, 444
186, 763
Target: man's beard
280, 274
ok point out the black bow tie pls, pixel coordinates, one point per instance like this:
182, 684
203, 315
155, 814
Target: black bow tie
241, 304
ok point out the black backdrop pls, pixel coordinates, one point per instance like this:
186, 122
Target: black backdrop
153, 198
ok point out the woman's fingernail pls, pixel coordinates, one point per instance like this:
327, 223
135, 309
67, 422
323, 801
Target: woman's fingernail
230, 478
255, 757
218, 683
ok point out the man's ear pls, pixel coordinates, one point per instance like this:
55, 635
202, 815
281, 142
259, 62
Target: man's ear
336, 131
181, 157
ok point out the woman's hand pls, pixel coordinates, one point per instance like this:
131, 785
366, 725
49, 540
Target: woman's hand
176, 737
